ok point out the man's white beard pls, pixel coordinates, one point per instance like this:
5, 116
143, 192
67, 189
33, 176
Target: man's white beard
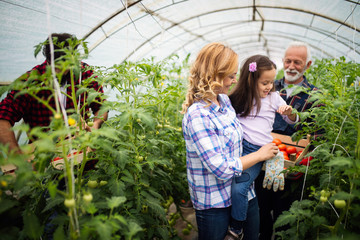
291, 78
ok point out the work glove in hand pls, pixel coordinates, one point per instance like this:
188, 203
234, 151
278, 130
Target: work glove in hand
273, 176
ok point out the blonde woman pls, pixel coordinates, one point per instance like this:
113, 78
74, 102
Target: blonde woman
213, 137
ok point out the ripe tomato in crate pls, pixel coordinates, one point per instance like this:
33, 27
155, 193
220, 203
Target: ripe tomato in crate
292, 148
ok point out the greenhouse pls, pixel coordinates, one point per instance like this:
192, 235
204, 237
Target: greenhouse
103, 134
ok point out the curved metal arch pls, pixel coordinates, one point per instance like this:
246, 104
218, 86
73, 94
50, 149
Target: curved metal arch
272, 47
119, 12
204, 14
235, 46
108, 19
315, 14
245, 22
280, 35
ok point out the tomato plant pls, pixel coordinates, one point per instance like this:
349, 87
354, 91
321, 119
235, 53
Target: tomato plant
331, 199
139, 154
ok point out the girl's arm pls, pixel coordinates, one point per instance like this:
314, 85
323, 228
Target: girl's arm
287, 110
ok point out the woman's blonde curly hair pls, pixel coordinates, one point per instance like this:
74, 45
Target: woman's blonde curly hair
213, 64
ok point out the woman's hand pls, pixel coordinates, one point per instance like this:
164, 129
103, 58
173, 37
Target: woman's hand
264, 153
268, 151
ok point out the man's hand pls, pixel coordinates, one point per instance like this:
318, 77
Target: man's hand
7, 136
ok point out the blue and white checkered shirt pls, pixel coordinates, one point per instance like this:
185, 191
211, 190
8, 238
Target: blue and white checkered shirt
213, 137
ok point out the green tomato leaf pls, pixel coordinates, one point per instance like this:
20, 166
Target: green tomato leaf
114, 202
104, 230
340, 162
32, 227
6, 204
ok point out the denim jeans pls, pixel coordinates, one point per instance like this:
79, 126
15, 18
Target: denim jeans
240, 185
213, 223
252, 222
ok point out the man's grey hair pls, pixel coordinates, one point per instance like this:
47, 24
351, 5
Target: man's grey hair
301, 44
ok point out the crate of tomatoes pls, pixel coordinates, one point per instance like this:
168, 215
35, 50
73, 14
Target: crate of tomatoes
293, 151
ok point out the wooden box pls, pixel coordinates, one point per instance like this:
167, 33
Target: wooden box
302, 145
57, 162
8, 168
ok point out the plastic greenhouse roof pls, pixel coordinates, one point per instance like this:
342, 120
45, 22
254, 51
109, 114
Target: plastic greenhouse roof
117, 30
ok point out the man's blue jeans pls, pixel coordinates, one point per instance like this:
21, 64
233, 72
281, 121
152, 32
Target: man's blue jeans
213, 223
240, 185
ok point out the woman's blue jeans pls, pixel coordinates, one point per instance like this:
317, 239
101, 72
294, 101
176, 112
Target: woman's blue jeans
213, 223
240, 185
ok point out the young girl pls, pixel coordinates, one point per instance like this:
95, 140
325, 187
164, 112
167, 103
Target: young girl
255, 103
213, 140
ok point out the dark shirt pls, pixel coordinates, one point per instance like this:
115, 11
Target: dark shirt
299, 102
34, 112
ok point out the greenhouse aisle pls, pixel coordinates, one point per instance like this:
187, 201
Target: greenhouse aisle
189, 215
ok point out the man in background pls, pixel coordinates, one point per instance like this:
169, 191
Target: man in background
34, 113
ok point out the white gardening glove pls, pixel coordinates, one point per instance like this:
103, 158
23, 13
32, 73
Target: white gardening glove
273, 176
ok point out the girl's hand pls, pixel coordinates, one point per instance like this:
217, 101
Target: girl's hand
285, 110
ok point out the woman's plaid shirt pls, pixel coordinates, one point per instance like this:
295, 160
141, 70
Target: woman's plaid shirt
213, 137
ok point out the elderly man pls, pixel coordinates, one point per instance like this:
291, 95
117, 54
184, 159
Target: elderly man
296, 60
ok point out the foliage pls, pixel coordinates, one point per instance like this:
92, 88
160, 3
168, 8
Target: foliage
335, 169
133, 166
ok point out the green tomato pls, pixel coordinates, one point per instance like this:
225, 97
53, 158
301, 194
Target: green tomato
69, 203
102, 183
189, 226
57, 116
140, 158
323, 199
186, 231
172, 222
339, 203
88, 197
144, 209
92, 184
90, 124
325, 193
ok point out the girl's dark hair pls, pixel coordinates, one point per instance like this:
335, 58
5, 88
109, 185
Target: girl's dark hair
245, 92
60, 41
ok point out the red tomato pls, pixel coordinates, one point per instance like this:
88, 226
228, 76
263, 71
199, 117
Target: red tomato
305, 161
282, 147
277, 141
286, 156
291, 149
298, 154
